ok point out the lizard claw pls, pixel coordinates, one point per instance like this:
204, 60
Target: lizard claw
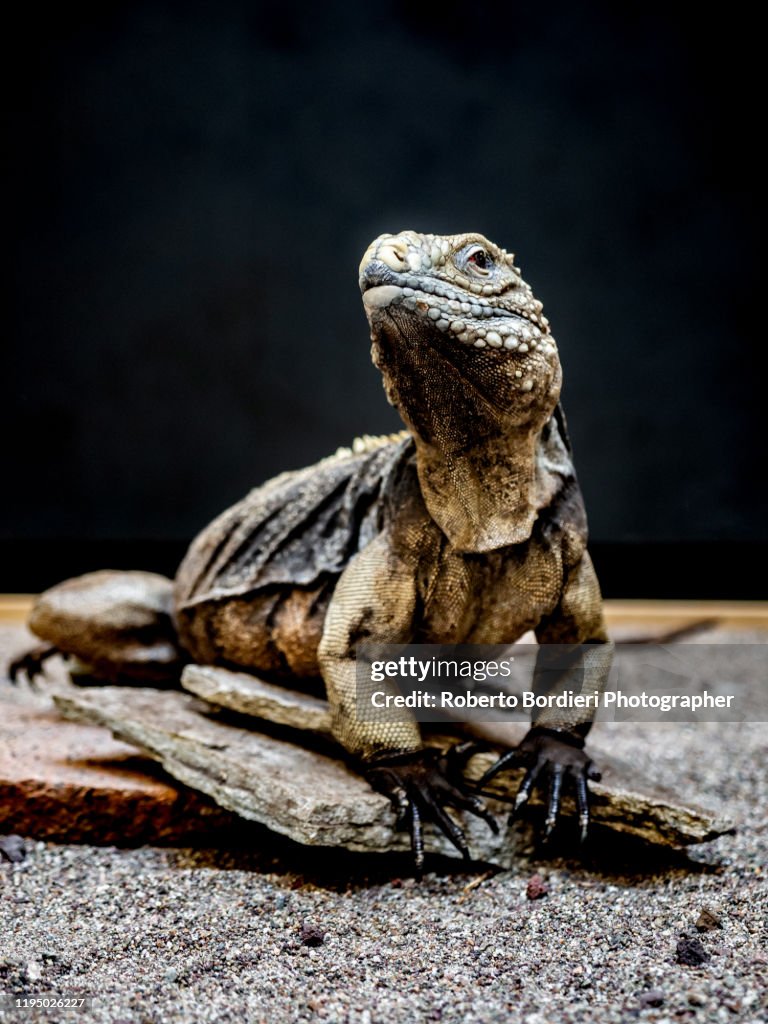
31, 664
420, 785
557, 755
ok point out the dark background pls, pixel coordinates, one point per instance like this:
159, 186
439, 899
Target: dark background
190, 189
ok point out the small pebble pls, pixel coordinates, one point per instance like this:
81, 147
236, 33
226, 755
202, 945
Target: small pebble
691, 953
537, 888
696, 997
652, 997
34, 971
708, 920
311, 935
12, 848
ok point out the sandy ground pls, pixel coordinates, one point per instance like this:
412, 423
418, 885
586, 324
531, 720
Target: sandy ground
274, 932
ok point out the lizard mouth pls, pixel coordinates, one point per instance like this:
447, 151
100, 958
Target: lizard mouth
471, 320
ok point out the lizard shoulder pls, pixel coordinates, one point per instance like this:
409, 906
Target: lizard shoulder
296, 529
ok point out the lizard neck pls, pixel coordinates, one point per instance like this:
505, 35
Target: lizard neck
488, 495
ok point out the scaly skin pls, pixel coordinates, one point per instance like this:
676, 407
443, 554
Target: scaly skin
467, 528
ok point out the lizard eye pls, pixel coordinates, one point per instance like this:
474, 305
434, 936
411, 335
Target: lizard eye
479, 260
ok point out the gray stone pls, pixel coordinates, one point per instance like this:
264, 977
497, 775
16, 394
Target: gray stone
312, 796
249, 695
654, 814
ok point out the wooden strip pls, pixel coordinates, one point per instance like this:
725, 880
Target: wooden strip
15, 607
727, 614
624, 612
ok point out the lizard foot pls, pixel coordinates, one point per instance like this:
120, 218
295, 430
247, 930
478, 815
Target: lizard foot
31, 664
420, 785
554, 754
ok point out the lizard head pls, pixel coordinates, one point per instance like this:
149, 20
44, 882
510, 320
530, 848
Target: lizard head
451, 313
470, 364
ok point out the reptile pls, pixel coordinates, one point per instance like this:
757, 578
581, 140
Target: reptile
467, 527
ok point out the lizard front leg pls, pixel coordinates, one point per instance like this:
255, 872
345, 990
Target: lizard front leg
575, 654
376, 600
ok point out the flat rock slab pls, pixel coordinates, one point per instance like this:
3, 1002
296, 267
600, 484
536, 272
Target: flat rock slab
310, 797
314, 798
654, 814
249, 695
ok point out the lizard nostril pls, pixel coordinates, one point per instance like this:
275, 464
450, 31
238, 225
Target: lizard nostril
394, 254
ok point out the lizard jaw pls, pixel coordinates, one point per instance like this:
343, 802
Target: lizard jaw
473, 324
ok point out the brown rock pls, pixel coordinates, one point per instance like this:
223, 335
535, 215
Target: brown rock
696, 997
73, 782
537, 888
708, 920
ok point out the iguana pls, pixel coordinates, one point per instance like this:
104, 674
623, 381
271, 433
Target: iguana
468, 527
